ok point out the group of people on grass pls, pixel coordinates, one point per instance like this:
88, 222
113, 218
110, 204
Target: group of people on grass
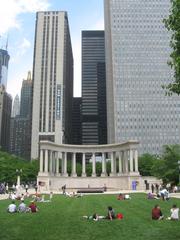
162, 194
22, 208
158, 215
110, 215
32, 207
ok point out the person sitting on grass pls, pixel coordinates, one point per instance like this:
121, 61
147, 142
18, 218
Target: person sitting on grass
120, 196
111, 213
22, 207
156, 213
174, 213
12, 207
33, 208
152, 196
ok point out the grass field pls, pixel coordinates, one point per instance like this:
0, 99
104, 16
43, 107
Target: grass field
62, 219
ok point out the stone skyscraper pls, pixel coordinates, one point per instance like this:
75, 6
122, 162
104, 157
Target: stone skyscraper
16, 107
26, 97
137, 51
52, 80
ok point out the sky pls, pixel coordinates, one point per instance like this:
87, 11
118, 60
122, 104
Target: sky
17, 24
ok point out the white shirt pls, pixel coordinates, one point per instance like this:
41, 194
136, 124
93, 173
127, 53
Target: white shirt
12, 208
22, 207
175, 213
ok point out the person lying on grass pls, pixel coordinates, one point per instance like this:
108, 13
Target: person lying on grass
94, 217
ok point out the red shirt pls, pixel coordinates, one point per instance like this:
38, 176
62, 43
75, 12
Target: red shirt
33, 207
156, 213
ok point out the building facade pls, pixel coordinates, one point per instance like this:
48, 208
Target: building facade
4, 60
20, 137
5, 116
16, 106
93, 88
52, 80
137, 51
20, 134
26, 97
76, 121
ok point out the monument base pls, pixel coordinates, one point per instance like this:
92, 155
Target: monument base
125, 182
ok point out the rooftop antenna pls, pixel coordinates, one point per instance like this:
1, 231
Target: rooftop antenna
7, 42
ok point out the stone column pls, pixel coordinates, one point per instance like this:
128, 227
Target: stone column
113, 173
50, 162
57, 163
93, 165
65, 174
74, 174
131, 160
83, 165
136, 160
62, 163
104, 173
41, 160
126, 161
120, 164
46, 161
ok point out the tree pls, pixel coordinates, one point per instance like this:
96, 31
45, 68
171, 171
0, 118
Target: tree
172, 23
9, 164
146, 162
166, 167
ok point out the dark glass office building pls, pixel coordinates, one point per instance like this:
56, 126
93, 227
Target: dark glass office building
4, 60
5, 116
93, 88
76, 121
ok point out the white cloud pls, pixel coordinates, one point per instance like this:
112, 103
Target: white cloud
99, 25
10, 9
24, 46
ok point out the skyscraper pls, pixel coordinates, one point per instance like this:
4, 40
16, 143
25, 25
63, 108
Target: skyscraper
93, 88
20, 134
5, 116
52, 80
16, 107
76, 121
26, 97
4, 60
137, 51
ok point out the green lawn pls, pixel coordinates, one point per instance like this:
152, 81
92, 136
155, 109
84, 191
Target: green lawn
62, 219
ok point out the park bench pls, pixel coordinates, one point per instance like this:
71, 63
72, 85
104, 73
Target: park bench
90, 190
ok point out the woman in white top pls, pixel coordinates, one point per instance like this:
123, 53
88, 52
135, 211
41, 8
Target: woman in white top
174, 212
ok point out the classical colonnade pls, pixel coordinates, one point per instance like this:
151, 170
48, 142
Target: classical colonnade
124, 154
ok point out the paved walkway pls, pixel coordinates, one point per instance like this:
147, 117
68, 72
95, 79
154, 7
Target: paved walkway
31, 191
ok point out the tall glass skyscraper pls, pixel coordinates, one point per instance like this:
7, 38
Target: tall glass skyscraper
4, 60
137, 51
52, 80
94, 128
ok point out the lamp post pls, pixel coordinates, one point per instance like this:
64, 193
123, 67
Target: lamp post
18, 173
179, 170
